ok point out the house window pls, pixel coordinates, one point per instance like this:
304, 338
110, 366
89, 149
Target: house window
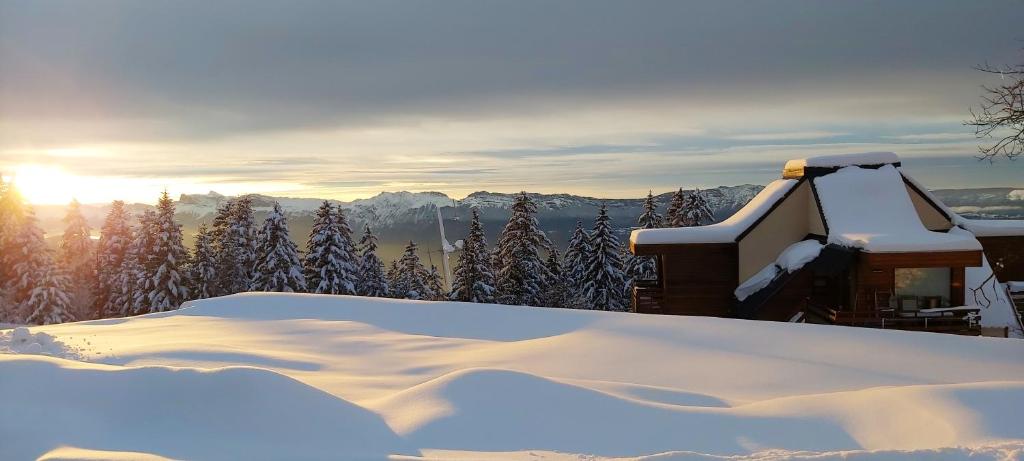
923, 287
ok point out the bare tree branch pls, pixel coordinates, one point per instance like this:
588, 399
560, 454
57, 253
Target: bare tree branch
1000, 117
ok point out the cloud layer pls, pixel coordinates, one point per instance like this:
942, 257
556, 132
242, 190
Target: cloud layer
347, 98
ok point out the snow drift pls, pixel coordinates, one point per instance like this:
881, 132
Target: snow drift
331, 377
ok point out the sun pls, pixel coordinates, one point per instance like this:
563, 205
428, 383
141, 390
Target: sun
47, 185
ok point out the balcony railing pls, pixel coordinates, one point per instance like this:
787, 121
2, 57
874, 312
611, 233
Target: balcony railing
959, 321
648, 296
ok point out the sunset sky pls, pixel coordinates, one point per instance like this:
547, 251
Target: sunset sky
104, 100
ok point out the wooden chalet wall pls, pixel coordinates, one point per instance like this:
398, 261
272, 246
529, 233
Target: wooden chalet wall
697, 279
1006, 256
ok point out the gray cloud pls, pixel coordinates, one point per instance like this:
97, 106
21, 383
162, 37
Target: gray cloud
194, 69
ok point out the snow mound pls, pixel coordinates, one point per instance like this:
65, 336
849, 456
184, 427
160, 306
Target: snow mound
723, 232
21, 340
871, 210
274, 376
525, 410
228, 413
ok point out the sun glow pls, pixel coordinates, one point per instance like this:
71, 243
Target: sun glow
41, 184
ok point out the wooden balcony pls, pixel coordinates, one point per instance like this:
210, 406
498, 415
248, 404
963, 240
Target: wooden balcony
961, 321
648, 297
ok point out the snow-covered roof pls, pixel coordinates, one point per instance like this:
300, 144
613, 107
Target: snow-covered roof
792, 259
842, 160
723, 232
870, 209
993, 227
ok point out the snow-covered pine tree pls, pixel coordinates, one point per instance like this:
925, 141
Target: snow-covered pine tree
115, 236
76, 252
324, 260
124, 288
31, 259
473, 280
411, 278
435, 285
11, 215
394, 276
521, 272
632, 272
555, 288
696, 211
641, 267
169, 259
371, 280
574, 266
202, 273
234, 232
50, 299
349, 252
330, 261
649, 217
674, 214
603, 281
77, 260
278, 267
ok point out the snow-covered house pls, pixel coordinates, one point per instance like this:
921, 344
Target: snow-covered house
845, 239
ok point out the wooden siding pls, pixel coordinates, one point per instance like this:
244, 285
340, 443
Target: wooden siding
1006, 256
697, 279
924, 259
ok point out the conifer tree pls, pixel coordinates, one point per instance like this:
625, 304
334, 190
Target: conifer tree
12, 213
435, 285
574, 265
394, 272
349, 252
674, 214
203, 267
50, 300
139, 273
521, 272
696, 211
331, 261
115, 236
604, 282
76, 252
278, 268
168, 260
371, 280
234, 232
556, 290
326, 268
77, 260
642, 267
411, 277
649, 217
473, 280
124, 284
31, 258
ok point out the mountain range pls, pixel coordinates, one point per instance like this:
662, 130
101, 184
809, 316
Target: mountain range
398, 217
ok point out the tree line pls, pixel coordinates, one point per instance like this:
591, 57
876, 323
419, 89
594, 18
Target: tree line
140, 265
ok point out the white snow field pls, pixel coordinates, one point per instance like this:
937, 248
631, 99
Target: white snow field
266, 376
